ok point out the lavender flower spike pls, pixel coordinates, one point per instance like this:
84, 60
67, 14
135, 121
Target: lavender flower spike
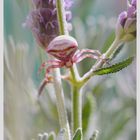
133, 2
126, 24
43, 20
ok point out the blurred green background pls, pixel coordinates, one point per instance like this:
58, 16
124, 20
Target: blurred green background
111, 99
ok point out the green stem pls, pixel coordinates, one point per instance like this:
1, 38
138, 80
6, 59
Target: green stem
76, 114
72, 71
112, 48
76, 109
61, 17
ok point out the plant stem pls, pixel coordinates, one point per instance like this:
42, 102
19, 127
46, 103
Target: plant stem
61, 104
113, 47
76, 97
101, 62
76, 114
61, 17
76, 109
57, 80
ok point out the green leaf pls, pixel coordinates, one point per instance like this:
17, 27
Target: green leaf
108, 41
78, 134
87, 111
114, 55
114, 68
120, 121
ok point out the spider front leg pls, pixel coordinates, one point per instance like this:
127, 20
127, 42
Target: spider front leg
87, 53
79, 59
79, 53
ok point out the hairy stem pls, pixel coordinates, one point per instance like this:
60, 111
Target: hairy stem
61, 104
57, 80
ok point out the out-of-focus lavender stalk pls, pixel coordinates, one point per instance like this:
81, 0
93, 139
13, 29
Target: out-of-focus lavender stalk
43, 20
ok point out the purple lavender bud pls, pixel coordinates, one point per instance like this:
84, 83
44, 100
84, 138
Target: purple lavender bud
131, 11
68, 15
126, 24
43, 20
122, 18
44, 3
68, 4
133, 3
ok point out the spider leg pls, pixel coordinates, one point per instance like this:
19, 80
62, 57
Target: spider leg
79, 53
52, 66
105, 59
51, 62
43, 84
48, 78
79, 59
87, 53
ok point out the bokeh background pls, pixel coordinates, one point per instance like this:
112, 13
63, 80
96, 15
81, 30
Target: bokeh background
111, 99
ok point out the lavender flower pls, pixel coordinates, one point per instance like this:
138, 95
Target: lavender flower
126, 24
133, 3
43, 20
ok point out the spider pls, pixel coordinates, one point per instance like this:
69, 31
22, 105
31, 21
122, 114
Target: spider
65, 49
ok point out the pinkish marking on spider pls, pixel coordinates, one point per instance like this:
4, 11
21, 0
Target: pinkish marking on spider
62, 47
65, 49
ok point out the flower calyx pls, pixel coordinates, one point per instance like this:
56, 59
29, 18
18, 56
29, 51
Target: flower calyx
126, 24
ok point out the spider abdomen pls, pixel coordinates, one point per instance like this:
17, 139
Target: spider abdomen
62, 47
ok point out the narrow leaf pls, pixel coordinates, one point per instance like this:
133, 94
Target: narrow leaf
114, 68
87, 111
115, 54
108, 41
78, 134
